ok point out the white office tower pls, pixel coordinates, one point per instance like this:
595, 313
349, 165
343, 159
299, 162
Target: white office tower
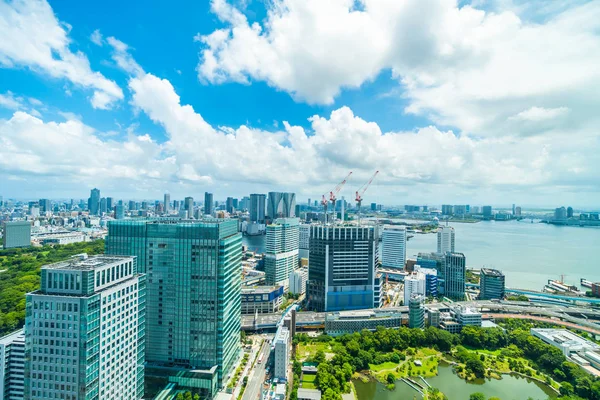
12, 366
281, 251
445, 239
282, 354
414, 284
85, 331
298, 278
393, 253
303, 245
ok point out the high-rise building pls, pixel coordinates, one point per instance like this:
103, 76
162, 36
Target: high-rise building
229, 205
208, 203
393, 254
487, 212
103, 206
245, 203
415, 283
282, 354
373, 206
455, 276
447, 209
45, 205
569, 212
281, 205
16, 234
298, 278
12, 366
94, 202
176, 205
492, 284
416, 312
167, 203
145, 205
84, 331
110, 203
431, 280
303, 245
459, 209
188, 205
343, 265
194, 295
560, 214
257, 208
445, 239
119, 211
132, 205
281, 255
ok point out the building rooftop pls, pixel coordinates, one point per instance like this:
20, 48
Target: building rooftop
491, 272
565, 339
86, 263
260, 289
11, 337
311, 394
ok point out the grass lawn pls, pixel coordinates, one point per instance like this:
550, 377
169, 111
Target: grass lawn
308, 381
308, 350
382, 367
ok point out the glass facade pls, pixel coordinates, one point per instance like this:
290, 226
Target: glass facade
455, 276
194, 289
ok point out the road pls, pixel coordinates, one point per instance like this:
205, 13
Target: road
544, 319
256, 378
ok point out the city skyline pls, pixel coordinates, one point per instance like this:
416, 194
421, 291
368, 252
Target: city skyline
448, 118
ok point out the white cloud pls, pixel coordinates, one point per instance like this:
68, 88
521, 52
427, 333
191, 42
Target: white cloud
96, 37
122, 57
457, 65
31, 36
8, 100
541, 114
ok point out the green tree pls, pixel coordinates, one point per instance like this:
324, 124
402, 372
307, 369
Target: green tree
566, 389
477, 396
391, 378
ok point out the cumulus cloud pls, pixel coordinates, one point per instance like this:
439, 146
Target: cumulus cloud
8, 100
31, 36
457, 65
96, 37
123, 58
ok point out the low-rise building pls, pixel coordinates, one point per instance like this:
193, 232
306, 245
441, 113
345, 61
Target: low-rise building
341, 322
61, 238
261, 299
567, 341
298, 278
466, 316
16, 234
309, 394
492, 284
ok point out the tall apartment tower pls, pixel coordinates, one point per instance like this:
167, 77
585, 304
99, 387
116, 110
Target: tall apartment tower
229, 205
281, 205
281, 256
304, 243
194, 295
393, 254
94, 202
167, 203
257, 208
445, 239
84, 331
12, 366
343, 266
208, 203
492, 284
455, 276
188, 205
416, 311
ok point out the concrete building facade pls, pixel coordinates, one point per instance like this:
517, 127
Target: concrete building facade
393, 247
445, 239
12, 366
16, 234
281, 256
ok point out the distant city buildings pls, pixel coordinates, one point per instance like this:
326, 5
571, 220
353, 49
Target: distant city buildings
12, 366
188, 206
194, 295
416, 311
455, 276
208, 203
393, 249
257, 208
414, 284
97, 351
445, 239
487, 212
492, 284
16, 234
94, 202
281, 255
343, 262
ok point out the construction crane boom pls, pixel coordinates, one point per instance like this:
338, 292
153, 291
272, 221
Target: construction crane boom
361, 191
333, 194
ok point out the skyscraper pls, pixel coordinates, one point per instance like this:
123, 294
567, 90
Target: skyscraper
257, 208
343, 263
445, 239
487, 212
492, 284
110, 203
45, 205
188, 205
119, 211
84, 331
393, 254
416, 312
455, 276
281, 205
103, 206
167, 203
229, 205
94, 201
208, 203
194, 295
414, 283
281, 250
12, 366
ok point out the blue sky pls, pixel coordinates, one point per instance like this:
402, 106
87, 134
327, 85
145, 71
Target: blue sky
466, 102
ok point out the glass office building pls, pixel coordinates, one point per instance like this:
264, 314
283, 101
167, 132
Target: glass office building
281, 256
194, 295
455, 276
84, 331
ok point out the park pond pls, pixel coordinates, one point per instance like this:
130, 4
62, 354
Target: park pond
507, 388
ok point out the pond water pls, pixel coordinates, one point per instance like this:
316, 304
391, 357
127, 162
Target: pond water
507, 388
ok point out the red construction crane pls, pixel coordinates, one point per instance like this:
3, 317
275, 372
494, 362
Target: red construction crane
333, 194
361, 191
